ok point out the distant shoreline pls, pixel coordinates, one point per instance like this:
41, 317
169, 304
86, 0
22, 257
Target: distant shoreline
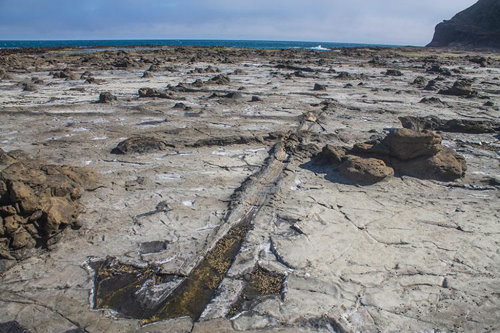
250, 44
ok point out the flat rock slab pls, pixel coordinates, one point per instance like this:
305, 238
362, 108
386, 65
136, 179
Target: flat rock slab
404, 254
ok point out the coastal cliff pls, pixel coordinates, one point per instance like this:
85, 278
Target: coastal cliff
476, 27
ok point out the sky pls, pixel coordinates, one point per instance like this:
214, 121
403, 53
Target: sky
395, 22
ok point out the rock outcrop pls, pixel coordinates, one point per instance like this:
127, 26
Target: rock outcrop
403, 152
37, 201
453, 125
476, 27
139, 145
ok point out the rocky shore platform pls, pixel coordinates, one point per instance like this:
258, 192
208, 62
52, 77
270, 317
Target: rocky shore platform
185, 189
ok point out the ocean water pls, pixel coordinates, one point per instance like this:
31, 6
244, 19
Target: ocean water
253, 44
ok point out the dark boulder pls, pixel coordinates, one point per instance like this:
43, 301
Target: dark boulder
319, 87
140, 145
106, 97
459, 88
220, 79
393, 72
432, 100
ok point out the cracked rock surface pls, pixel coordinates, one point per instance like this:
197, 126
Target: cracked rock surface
213, 212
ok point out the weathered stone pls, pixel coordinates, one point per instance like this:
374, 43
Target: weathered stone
446, 165
38, 200
107, 97
22, 239
393, 72
365, 171
140, 145
406, 144
459, 88
220, 79
150, 92
319, 87
12, 223
59, 213
331, 155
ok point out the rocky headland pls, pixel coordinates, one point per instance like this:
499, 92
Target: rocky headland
475, 27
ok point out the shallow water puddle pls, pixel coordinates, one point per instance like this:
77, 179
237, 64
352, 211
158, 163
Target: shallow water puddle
143, 293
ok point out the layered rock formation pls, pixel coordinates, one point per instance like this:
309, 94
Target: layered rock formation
478, 27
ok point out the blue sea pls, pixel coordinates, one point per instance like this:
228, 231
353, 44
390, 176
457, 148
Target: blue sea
252, 44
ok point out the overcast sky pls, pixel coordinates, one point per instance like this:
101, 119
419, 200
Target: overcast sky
407, 22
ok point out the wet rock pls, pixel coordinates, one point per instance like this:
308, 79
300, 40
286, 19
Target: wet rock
106, 97
393, 72
365, 171
452, 125
459, 88
140, 145
319, 87
406, 144
147, 75
37, 202
256, 99
259, 283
